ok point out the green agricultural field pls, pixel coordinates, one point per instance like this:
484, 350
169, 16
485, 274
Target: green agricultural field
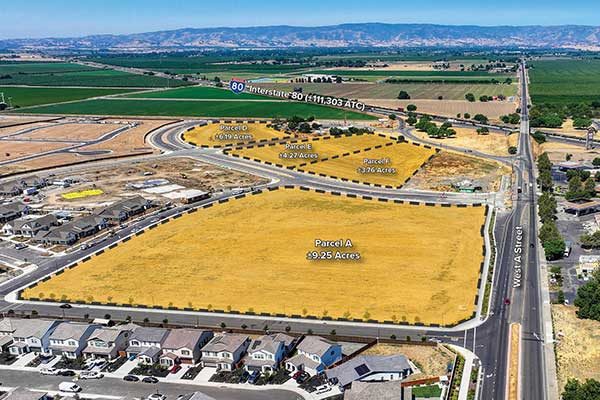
408, 74
197, 92
565, 81
209, 108
63, 74
449, 91
30, 96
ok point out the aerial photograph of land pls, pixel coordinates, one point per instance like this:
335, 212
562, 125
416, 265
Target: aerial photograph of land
309, 201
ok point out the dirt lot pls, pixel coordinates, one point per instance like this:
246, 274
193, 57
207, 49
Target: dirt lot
6, 120
416, 279
13, 149
432, 360
494, 143
450, 108
181, 171
74, 131
557, 152
130, 142
577, 347
446, 168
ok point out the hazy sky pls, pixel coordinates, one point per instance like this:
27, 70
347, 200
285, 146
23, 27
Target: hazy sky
44, 18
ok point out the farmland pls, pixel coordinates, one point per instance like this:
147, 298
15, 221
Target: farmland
223, 134
208, 108
565, 81
416, 279
30, 96
449, 91
196, 92
64, 74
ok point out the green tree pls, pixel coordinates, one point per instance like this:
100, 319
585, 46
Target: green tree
589, 390
411, 120
483, 131
512, 150
582, 122
554, 249
467, 116
403, 95
411, 108
481, 118
590, 187
470, 97
588, 298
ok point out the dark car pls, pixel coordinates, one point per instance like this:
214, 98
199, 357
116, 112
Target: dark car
507, 301
131, 378
150, 379
66, 306
66, 372
302, 377
253, 377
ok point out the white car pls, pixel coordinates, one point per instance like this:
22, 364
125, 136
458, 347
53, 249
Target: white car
69, 387
48, 371
157, 396
90, 375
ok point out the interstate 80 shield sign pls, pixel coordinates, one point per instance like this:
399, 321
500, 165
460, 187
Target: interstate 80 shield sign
237, 86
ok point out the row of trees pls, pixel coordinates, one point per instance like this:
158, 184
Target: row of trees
425, 124
581, 185
588, 390
553, 115
513, 118
552, 241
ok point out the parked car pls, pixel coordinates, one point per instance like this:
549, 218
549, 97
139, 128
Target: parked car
253, 377
90, 375
48, 371
150, 379
65, 306
20, 246
131, 357
66, 372
131, 378
176, 368
69, 387
157, 396
302, 377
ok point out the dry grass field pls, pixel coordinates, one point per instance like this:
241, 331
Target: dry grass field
514, 364
319, 149
8, 120
567, 129
494, 143
446, 168
431, 360
208, 135
577, 346
404, 158
199, 261
557, 152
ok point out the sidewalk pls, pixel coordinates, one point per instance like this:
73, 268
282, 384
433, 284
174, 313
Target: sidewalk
466, 375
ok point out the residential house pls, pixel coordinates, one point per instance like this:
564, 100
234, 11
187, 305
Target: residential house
125, 209
224, 351
29, 227
5, 342
183, 346
107, 343
13, 210
371, 368
28, 335
266, 352
146, 344
10, 189
33, 181
70, 338
314, 354
71, 232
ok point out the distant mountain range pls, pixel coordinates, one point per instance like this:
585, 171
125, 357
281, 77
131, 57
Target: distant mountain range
335, 36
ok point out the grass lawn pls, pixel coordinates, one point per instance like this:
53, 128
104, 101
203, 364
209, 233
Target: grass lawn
30, 96
432, 391
565, 81
210, 109
197, 92
222, 134
319, 149
418, 271
449, 91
